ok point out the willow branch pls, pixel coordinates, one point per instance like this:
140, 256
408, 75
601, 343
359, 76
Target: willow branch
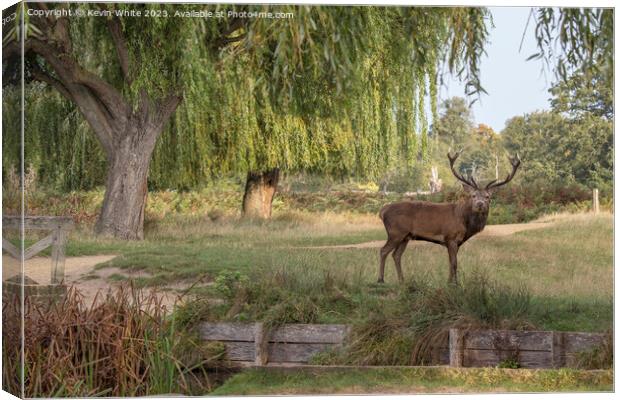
114, 26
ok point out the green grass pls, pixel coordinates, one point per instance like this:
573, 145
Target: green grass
414, 380
566, 268
556, 278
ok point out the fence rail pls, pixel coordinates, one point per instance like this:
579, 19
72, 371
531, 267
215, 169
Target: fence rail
59, 227
298, 343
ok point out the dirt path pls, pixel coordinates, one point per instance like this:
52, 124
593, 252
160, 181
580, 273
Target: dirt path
79, 272
489, 230
39, 268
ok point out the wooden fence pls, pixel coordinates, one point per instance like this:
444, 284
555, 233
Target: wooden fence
297, 343
292, 343
59, 227
531, 349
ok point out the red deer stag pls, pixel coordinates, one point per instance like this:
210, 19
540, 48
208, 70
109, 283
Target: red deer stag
447, 224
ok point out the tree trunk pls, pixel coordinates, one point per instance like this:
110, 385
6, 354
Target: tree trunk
122, 214
259, 191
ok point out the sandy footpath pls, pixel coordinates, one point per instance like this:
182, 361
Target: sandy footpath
79, 272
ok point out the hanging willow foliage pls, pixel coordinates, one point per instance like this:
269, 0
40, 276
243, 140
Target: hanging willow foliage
332, 90
573, 40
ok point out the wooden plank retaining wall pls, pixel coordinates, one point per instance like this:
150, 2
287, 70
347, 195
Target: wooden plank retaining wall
531, 349
291, 343
297, 343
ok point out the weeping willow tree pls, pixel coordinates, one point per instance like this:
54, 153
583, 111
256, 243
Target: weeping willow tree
126, 90
575, 40
333, 90
325, 89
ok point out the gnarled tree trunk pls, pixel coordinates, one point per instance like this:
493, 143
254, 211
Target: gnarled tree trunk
122, 214
260, 187
127, 131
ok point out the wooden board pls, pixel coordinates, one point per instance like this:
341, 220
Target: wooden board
532, 349
240, 351
288, 343
11, 249
39, 246
227, 331
523, 340
298, 343
37, 222
575, 342
290, 333
295, 352
309, 333
491, 358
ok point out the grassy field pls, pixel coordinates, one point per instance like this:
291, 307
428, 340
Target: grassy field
555, 278
413, 380
562, 274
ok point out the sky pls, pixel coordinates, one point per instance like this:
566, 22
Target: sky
514, 86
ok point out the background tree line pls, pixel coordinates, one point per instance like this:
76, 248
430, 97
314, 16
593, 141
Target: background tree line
336, 91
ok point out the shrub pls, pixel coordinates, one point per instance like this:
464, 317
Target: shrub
413, 328
121, 345
229, 283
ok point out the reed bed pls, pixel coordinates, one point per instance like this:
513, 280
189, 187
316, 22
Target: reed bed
122, 344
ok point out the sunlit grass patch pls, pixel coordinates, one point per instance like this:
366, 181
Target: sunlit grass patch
566, 268
413, 380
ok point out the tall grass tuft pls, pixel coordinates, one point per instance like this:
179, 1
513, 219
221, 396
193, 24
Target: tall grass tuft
599, 357
123, 344
413, 328
391, 325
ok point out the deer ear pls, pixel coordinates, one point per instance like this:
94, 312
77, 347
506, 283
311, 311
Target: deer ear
468, 188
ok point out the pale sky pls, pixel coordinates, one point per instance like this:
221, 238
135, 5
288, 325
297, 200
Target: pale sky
514, 86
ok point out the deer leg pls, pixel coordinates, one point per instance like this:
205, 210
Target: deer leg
385, 250
397, 254
453, 249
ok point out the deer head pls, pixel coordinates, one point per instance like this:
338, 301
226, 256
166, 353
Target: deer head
480, 197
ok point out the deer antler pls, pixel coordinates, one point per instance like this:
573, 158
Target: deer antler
470, 181
515, 162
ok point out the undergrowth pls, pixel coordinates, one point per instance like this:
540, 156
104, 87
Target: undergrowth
395, 325
123, 344
217, 203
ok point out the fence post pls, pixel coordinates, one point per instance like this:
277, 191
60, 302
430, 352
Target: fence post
595, 203
456, 348
260, 348
558, 350
58, 256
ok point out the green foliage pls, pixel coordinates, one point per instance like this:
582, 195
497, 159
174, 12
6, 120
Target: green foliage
407, 381
336, 90
575, 40
584, 95
339, 91
510, 363
228, 283
455, 125
558, 151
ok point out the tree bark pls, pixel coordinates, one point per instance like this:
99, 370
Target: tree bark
260, 187
126, 133
122, 214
